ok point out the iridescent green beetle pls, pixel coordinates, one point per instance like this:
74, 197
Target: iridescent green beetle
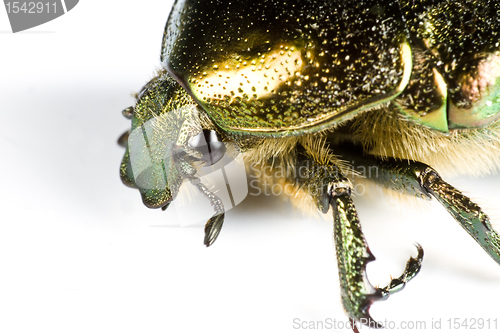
317, 87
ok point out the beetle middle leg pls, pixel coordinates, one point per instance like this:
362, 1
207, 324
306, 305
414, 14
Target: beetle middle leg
419, 179
330, 188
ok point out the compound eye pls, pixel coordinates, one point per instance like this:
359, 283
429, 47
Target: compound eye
210, 145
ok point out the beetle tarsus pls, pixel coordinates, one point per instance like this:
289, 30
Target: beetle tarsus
412, 268
214, 224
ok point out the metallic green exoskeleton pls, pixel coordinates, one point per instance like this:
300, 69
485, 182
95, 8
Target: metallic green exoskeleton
317, 87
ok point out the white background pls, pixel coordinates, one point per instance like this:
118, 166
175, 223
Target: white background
80, 253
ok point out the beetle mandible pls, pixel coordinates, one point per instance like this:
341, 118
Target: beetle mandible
317, 87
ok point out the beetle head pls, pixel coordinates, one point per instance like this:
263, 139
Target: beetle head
167, 142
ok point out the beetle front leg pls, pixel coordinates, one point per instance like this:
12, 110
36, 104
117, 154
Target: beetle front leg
214, 224
353, 254
329, 188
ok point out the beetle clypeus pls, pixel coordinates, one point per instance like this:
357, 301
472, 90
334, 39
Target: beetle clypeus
317, 87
